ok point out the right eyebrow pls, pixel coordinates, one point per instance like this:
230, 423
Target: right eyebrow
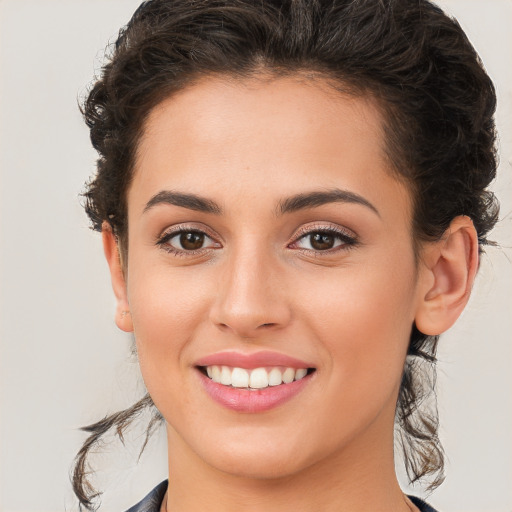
185, 200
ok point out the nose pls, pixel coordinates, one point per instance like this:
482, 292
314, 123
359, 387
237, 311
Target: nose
251, 298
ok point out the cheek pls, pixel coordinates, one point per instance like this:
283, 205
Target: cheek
166, 310
364, 319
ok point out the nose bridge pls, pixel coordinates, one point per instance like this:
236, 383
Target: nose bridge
250, 298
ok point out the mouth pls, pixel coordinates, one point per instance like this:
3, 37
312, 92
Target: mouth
254, 379
253, 383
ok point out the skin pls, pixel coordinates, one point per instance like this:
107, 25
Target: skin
258, 284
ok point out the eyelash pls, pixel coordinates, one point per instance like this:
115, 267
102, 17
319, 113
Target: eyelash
348, 241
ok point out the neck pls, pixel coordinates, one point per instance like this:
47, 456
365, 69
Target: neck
360, 477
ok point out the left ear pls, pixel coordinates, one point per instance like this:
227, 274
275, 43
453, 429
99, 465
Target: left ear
450, 267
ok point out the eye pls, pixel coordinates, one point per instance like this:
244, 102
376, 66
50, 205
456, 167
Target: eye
323, 240
186, 241
189, 241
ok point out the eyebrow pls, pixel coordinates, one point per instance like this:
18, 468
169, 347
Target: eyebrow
289, 205
185, 200
319, 198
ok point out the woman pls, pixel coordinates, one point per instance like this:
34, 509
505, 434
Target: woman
292, 199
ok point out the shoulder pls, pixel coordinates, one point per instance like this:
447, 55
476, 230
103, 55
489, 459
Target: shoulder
424, 507
153, 501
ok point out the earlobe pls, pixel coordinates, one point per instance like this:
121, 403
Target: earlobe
451, 266
111, 249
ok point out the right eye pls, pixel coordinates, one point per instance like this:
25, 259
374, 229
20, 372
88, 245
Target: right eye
187, 241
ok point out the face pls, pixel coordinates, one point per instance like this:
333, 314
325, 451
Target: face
271, 277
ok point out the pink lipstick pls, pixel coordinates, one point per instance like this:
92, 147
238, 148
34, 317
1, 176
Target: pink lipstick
255, 360
252, 383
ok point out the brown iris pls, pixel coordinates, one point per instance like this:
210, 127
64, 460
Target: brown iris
191, 240
322, 241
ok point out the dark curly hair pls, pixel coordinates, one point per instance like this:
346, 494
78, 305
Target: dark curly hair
412, 58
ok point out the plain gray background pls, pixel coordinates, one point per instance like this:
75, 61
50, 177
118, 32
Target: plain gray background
64, 364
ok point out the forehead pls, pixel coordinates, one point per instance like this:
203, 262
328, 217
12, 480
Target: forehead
275, 135
294, 107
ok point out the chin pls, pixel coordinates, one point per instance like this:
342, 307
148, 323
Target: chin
258, 467
260, 459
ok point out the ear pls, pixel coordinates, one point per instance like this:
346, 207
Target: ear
450, 267
111, 250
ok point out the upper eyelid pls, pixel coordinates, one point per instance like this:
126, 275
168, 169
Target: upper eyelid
318, 227
185, 227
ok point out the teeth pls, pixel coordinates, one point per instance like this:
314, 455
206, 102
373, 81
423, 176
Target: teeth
225, 376
288, 375
215, 371
259, 378
239, 377
300, 373
274, 377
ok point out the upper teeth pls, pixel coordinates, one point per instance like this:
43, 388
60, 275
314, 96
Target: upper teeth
254, 379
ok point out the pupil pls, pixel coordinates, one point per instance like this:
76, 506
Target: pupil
191, 240
322, 241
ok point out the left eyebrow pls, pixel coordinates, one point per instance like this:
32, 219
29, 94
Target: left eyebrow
319, 198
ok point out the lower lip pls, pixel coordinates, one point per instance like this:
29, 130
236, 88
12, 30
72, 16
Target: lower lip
244, 400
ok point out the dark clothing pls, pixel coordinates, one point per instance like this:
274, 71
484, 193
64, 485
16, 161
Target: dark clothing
153, 501
424, 507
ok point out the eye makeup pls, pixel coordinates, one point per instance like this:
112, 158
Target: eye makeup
323, 239
192, 240
319, 239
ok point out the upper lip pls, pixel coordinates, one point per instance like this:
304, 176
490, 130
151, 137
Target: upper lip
254, 360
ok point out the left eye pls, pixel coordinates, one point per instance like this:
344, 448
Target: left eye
322, 241
189, 240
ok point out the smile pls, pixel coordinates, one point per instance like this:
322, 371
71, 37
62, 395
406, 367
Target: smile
257, 378
253, 383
